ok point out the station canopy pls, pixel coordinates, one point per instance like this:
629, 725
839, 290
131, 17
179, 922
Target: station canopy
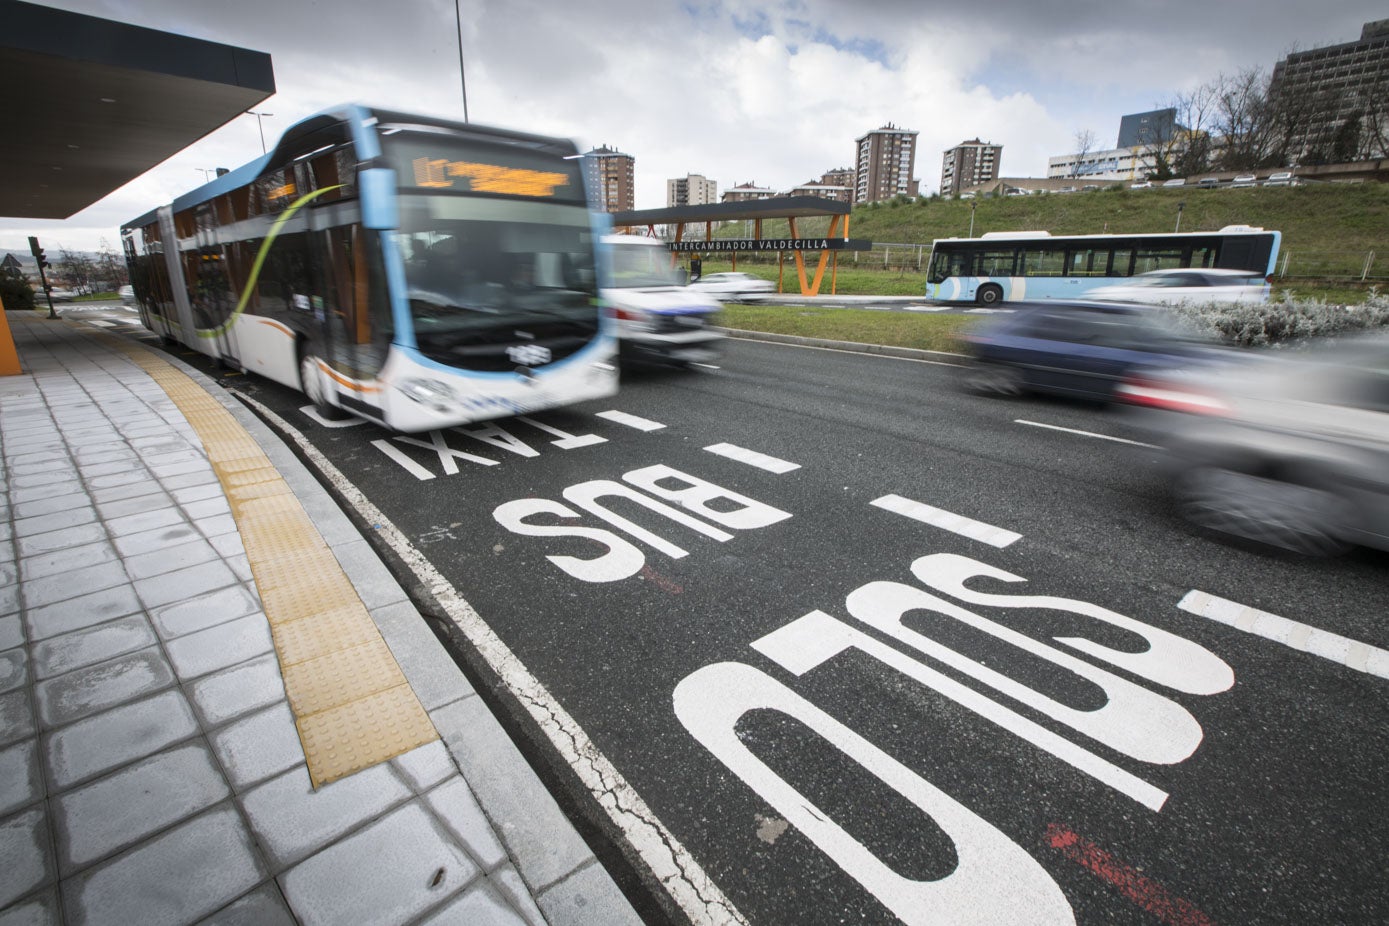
94, 103
789, 208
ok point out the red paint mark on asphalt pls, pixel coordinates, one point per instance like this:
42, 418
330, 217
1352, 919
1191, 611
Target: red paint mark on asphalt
1142, 890
664, 584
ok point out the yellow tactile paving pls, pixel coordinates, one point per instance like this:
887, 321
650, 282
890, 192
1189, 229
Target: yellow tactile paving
352, 705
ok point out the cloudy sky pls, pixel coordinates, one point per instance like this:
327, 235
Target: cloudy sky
771, 92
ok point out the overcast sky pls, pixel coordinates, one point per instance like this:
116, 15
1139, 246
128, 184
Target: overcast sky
767, 92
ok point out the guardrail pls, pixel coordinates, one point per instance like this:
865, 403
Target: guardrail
1363, 266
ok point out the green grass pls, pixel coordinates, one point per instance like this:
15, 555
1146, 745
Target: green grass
863, 326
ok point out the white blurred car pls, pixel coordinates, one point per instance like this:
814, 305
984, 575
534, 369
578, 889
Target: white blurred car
733, 287
1183, 284
127, 294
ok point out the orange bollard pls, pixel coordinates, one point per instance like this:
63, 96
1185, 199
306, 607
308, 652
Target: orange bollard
9, 357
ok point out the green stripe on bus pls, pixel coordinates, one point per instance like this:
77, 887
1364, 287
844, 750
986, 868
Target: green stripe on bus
260, 260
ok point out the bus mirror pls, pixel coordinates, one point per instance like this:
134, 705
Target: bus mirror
377, 186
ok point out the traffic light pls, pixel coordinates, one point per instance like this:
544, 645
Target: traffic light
38, 253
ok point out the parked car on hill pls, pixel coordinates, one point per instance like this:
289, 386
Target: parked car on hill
1180, 284
1281, 178
1077, 349
1244, 180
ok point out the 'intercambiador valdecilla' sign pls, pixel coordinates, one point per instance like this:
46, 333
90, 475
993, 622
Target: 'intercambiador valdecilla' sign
773, 244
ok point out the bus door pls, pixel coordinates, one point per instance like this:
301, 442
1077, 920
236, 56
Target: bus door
348, 331
214, 300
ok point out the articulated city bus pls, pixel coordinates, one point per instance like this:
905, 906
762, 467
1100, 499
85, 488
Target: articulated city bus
1021, 265
415, 272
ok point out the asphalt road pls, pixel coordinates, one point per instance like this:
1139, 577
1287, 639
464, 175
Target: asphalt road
866, 648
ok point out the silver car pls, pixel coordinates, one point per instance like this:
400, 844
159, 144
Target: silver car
1176, 285
1290, 452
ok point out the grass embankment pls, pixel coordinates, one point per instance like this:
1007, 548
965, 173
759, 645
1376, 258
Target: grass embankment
863, 326
1328, 232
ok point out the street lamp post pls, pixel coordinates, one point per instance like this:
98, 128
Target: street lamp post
260, 125
972, 207
1180, 206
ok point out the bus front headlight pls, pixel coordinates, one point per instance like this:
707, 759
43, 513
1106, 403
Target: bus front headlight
430, 392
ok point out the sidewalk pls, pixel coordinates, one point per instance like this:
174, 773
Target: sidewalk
193, 636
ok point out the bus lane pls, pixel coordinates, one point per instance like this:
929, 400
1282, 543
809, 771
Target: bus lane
841, 698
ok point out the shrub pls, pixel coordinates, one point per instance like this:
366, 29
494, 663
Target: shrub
1285, 323
16, 294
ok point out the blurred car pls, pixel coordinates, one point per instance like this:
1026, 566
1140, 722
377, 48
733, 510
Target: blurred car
733, 287
1289, 452
1141, 185
127, 294
59, 294
1176, 181
1207, 183
657, 317
1244, 180
1076, 349
1181, 284
1282, 178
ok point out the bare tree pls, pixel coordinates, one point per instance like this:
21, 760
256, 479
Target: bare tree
110, 269
77, 270
1085, 143
1243, 120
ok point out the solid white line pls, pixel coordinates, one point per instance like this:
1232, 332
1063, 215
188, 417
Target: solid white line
669, 861
631, 421
411, 467
1347, 652
752, 458
945, 520
1057, 427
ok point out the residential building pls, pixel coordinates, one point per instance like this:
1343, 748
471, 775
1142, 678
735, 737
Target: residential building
747, 191
1335, 101
611, 179
969, 164
840, 176
884, 164
843, 194
691, 190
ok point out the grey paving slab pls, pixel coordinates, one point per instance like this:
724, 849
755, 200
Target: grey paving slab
425, 766
207, 508
77, 613
16, 717
61, 539
38, 910
58, 520
9, 599
216, 525
258, 746
292, 820
144, 521
374, 583
21, 494
52, 505
434, 676
26, 855
480, 905
184, 584
509, 884
136, 504
390, 872
209, 610
122, 809
228, 544
70, 697
262, 907
220, 647
197, 493
112, 738
74, 583
21, 782
588, 896
60, 561
160, 538
228, 694
14, 669
189, 479
137, 487
199, 867
63, 653
169, 559
454, 804
531, 825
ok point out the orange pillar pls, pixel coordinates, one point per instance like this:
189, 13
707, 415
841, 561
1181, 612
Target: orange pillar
9, 357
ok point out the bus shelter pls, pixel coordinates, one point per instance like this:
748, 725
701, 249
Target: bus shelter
790, 208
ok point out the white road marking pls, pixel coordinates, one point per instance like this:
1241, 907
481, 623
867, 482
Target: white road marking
1347, 652
946, 520
101, 323
394, 452
669, 861
631, 421
752, 458
312, 412
1057, 427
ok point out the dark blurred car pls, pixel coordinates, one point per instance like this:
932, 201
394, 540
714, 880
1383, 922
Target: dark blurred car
1076, 349
1287, 451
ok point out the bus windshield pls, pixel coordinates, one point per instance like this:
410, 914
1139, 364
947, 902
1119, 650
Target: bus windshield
473, 264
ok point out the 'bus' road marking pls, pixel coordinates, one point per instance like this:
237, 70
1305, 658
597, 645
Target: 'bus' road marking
631, 421
1350, 653
1057, 427
946, 520
752, 458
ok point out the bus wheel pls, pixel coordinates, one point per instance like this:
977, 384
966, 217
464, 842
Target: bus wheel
312, 385
989, 294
